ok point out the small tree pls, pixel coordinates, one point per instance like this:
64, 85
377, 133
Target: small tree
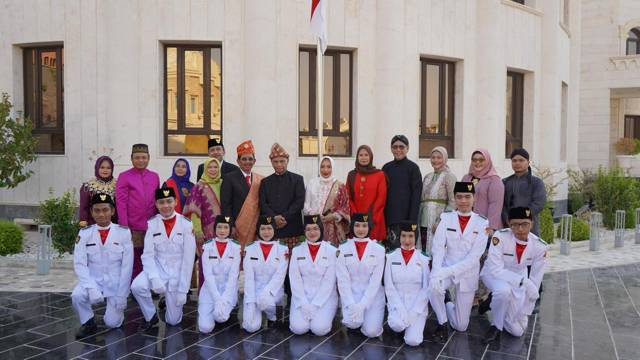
17, 146
60, 213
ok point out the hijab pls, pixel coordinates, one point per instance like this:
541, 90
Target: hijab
365, 169
99, 162
182, 181
331, 178
214, 182
488, 170
445, 156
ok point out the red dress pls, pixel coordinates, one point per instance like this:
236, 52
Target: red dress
370, 195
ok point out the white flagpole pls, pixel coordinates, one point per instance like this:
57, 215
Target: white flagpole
319, 98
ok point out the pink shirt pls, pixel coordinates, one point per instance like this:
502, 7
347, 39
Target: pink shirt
135, 197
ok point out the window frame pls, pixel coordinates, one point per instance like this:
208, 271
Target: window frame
335, 118
423, 135
636, 32
38, 129
181, 98
635, 119
517, 112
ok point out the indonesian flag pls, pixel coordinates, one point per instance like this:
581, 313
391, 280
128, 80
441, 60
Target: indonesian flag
319, 21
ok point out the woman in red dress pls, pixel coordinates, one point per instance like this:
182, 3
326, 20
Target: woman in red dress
368, 191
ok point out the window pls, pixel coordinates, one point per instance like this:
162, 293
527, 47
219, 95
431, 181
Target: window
337, 110
44, 96
193, 98
563, 121
436, 106
632, 126
514, 102
633, 42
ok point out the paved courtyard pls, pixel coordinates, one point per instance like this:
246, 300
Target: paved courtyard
584, 314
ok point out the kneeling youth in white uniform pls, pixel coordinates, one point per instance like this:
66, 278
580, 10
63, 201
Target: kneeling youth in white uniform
265, 267
221, 266
459, 241
359, 269
312, 273
103, 261
406, 283
513, 273
167, 261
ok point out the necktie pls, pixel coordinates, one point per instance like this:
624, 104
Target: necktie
248, 179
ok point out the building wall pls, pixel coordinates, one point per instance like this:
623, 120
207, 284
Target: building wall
605, 70
113, 75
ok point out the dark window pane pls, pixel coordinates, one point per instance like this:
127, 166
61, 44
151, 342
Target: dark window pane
303, 92
172, 88
49, 90
433, 99
194, 89
345, 93
514, 99
437, 101
427, 144
30, 84
50, 143
216, 89
328, 93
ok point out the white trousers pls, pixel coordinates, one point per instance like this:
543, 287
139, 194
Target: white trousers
113, 317
507, 306
252, 316
141, 290
371, 326
413, 334
206, 315
456, 312
321, 322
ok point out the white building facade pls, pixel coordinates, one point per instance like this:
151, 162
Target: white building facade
464, 73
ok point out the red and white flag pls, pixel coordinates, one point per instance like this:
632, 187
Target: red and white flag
319, 21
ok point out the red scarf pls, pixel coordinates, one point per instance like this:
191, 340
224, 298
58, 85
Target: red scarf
519, 250
464, 220
221, 247
313, 250
103, 234
168, 225
360, 246
266, 248
406, 255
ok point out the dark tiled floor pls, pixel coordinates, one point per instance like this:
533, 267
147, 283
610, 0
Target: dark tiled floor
584, 314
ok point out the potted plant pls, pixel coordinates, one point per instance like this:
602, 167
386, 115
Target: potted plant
627, 150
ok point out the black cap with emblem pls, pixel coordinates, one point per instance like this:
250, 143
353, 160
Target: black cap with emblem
409, 226
101, 199
314, 220
464, 187
164, 193
520, 213
223, 219
361, 217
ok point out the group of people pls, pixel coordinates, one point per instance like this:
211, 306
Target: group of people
144, 238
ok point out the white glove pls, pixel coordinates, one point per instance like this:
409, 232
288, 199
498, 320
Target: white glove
95, 296
531, 289
181, 298
222, 309
265, 301
157, 286
435, 285
357, 313
398, 320
120, 302
309, 310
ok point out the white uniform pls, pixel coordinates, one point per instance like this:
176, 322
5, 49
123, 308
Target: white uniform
456, 262
103, 271
167, 264
263, 283
514, 286
219, 293
313, 289
360, 286
407, 286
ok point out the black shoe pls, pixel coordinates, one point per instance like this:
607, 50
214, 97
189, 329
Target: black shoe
149, 324
87, 329
442, 332
485, 305
536, 307
447, 296
492, 334
162, 304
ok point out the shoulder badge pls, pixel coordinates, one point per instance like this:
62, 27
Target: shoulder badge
78, 239
542, 241
186, 218
208, 241
447, 211
235, 241
482, 216
495, 240
337, 252
503, 230
332, 244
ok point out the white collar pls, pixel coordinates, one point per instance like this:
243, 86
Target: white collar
244, 173
267, 242
317, 243
221, 240
104, 228
170, 216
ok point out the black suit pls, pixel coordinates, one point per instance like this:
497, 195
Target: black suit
227, 167
233, 193
283, 195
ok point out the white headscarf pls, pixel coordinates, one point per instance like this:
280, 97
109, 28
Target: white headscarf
331, 178
318, 191
445, 155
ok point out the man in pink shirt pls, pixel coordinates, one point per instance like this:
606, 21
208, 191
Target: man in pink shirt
135, 198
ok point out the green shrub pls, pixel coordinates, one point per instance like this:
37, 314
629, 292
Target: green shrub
579, 230
60, 213
11, 236
614, 190
546, 225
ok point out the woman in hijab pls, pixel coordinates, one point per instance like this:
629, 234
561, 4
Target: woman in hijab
203, 205
367, 187
489, 195
180, 182
327, 197
102, 183
437, 195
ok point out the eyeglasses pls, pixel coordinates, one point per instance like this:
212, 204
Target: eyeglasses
522, 225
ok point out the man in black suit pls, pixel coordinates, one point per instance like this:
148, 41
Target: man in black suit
282, 197
236, 184
216, 150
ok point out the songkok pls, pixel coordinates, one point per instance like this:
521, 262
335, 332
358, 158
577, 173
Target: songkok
464, 187
403, 139
278, 151
519, 151
164, 193
140, 148
214, 142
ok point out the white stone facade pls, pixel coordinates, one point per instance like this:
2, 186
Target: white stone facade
114, 76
